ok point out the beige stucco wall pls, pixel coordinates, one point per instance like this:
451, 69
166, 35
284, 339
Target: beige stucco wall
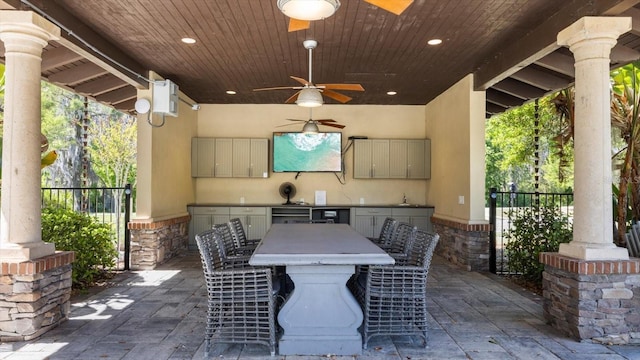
455, 123
164, 184
261, 121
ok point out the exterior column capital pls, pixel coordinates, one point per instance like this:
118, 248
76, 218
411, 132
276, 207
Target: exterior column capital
26, 32
593, 37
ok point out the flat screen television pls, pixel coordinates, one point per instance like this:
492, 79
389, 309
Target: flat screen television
300, 152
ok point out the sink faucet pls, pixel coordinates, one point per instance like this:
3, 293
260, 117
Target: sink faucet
404, 198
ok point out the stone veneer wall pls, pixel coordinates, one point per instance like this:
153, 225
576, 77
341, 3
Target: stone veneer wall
153, 243
34, 295
463, 244
597, 300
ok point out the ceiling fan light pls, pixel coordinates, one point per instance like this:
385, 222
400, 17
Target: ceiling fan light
308, 9
309, 98
310, 127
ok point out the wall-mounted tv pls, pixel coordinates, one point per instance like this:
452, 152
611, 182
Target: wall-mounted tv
300, 152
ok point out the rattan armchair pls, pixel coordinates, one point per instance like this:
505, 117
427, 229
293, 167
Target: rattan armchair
244, 245
241, 304
384, 238
401, 242
230, 255
393, 297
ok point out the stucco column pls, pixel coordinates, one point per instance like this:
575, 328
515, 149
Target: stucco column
24, 34
591, 39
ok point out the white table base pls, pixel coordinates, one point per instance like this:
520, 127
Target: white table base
321, 316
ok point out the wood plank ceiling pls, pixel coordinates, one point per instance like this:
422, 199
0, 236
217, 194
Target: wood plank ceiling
509, 46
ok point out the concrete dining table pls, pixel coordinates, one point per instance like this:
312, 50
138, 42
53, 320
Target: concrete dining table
320, 316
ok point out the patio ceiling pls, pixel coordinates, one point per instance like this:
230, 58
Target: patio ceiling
509, 45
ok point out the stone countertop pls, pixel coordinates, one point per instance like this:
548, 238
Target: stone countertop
306, 205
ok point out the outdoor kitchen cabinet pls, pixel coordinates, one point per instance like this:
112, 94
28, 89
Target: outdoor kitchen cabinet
255, 220
420, 217
229, 157
251, 158
368, 221
392, 159
203, 218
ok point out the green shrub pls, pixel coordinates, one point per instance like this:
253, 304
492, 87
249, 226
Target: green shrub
91, 241
534, 232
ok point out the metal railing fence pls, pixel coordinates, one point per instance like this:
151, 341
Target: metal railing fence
109, 205
504, 207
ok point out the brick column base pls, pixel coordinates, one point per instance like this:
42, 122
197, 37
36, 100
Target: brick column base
34, 295
596, 300
463, 244
153, 243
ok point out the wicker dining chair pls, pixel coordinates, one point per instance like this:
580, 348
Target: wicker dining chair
401, 242
394, 297
230, 255
243, 244
240, 303
384, 238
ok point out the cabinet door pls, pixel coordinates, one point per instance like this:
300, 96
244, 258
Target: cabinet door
224, 157
363, 224
259, 166
256, 226
241, 157
398, 159
380, 159
362, 159
419, 159
203, 157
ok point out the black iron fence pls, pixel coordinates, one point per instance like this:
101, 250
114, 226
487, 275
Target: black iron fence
109, 205
504, 207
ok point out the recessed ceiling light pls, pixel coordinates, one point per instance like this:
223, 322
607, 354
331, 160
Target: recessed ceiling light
230, 92
188, 40
391, 92
434, 42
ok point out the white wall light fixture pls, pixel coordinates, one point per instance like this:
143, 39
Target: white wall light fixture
308, 9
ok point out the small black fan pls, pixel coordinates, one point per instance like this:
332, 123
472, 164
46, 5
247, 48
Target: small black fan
287, 190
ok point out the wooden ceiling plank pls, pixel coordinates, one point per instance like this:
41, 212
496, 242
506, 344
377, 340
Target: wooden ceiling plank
503, 99
119, 95
519, 89
127, 106
77, 74
635, 20
539, 42
621, 54
58, 56
100, 85
558, 62
494, 108
74, 26
540, 79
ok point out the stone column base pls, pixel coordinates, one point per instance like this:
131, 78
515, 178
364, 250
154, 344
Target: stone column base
34, 295
463, 244
153, 243
593, 299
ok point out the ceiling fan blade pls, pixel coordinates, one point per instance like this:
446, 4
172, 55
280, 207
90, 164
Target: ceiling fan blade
336, 96
394, 6
293, 98
284, 125
351, 87
330, 122
277, 88
339, 126
300, 80
296, 25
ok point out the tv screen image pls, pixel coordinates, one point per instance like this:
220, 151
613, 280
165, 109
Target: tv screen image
299, 152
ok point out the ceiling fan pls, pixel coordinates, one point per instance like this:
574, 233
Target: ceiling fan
302, 12
310, 94
311, 126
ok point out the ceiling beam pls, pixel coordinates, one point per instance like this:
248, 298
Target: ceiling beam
635, 20
77, 74
107, 55
621, 54
541, 79
58, 56
117, 96
126, 106
542, 40
503, 99
558, 62
494, 109
100, 85
519, 89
